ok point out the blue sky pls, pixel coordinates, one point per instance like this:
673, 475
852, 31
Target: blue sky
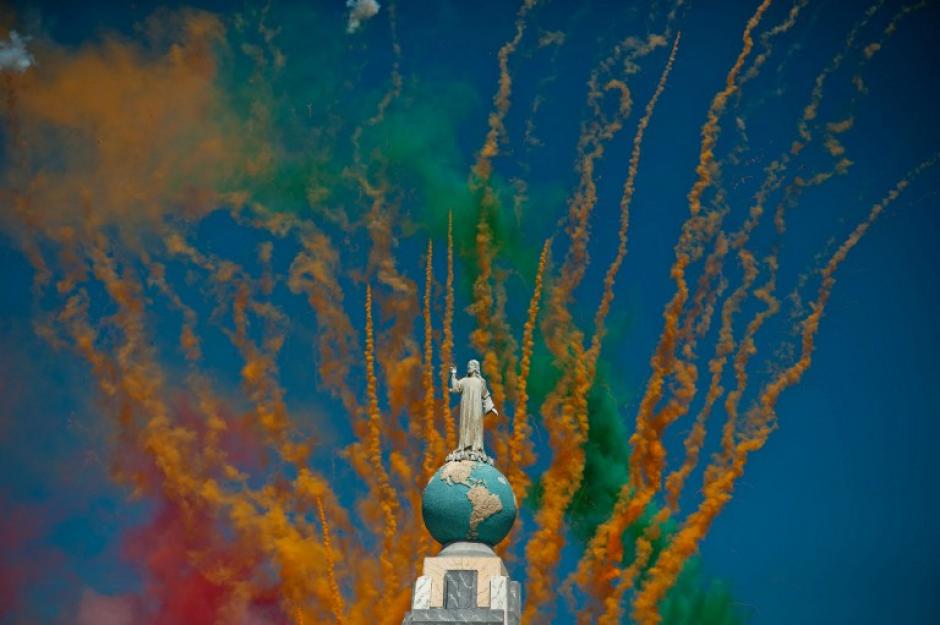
831, 522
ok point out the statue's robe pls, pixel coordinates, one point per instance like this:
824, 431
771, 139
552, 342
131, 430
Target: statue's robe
472, 389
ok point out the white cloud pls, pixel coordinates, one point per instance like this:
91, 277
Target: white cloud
14, 55
360, 11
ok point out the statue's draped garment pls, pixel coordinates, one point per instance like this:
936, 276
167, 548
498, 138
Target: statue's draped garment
472, 389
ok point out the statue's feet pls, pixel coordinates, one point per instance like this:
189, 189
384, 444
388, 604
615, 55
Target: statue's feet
468, 454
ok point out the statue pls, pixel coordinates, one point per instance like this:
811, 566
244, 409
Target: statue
475, 403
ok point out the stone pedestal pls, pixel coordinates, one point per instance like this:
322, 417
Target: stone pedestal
465, 583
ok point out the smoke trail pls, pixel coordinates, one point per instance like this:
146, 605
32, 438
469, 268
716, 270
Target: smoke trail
771, 183
483, 168
643, 550
725, 345
395, 91
336, 599
720, 481
561, 479
646, 438
765, 38
447, 345
746, 350
313, 272
811, 110
134, 378
750, 274
567, 402
389, 498
492, 336
432, 439
707, 164
625, 200
587, 562
648, 453
520, 448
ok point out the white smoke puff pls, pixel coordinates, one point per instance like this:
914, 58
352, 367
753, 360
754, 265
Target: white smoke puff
14, 55
360, 11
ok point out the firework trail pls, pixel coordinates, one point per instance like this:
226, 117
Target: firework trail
521, 454
447, 345
336, 598
647, 460
626, 198
433, 445
386, 492
720, 481
246, 526
567, 343
483, 168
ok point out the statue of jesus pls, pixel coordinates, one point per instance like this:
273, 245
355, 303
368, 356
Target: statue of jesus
475, 402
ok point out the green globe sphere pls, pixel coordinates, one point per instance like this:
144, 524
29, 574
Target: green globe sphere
468, 500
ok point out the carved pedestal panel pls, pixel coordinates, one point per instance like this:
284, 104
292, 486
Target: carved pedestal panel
465, 583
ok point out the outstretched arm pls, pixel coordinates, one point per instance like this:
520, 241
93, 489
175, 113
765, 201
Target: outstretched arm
454, 382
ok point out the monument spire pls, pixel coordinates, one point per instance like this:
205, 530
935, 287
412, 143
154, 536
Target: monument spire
468, 507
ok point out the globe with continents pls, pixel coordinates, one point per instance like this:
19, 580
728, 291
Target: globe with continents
468, 500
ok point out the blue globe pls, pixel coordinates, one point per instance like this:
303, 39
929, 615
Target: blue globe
468, 500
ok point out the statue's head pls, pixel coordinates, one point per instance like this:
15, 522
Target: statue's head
473, 367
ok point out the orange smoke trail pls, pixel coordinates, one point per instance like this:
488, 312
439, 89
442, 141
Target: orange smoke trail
491, 337
577, 258
591, 146
399, 355
389, 498
811, 110
746, 350
432, 450
172, 447
483, 168
447, 345
156, 275
643, 549
765, 38
707, 164
562, 479
792, 375
336, 599
392, 94
773, 180
520, 446
313, 273
648, 457
725, 345
288, 541
731, 405
648, 451
625, 201
720, 481
259, 371
133, 380
567, 402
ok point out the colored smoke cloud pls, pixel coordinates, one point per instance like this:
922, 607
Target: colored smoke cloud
13, 54
97, 609
360, 11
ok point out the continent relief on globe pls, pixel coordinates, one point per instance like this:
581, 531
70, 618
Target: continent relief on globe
462, 496
483, 503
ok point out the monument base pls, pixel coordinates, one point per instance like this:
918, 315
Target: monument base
465, 583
